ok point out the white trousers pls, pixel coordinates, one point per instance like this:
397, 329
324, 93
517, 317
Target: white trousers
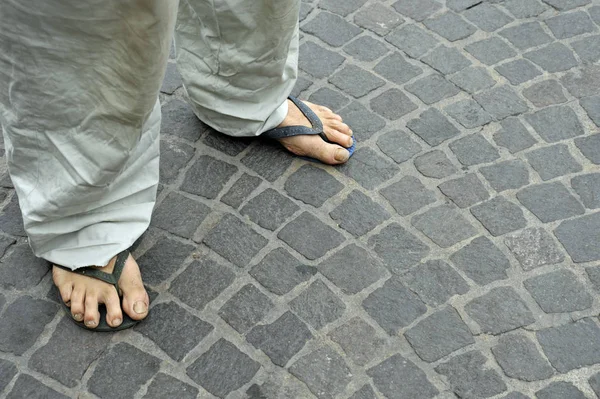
79, 83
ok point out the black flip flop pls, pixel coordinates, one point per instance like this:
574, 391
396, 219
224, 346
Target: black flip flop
112, 279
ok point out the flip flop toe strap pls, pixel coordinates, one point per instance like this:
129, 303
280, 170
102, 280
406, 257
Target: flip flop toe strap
289, 131
110, 278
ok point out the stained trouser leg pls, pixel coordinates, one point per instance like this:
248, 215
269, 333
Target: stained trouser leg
238, 60
79, 108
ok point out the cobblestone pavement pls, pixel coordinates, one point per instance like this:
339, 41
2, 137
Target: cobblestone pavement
457, 254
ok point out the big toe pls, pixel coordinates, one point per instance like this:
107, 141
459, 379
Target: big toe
315, 147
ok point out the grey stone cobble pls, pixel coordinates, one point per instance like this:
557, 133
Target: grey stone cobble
533, 248
491, 51
358, 214
356, 81
526, 35
450, 26
417, 9
280, 272
411, 39
408, 195
269, 209
513, 136
398, 145
525, 8
365, 48
435, 164
317, 305
473, 79
398, 248
363, 122
433, 127
465, 191
588, 189
468, 113
487, 17
499, 216
550, 202
560, 389
518, 71
501, 102
558, 292
332, 29
27, 386
246, 308
398, 377
553, 161
396, 69
432, 88
393, 104
588, 49
329, 98
547, 92
378, 18
473, 150
589, 147
519, 358
165, 386
555, 57
481, 261
507, 175
359, 341
446, 60
444, 225
578, 237
435, 282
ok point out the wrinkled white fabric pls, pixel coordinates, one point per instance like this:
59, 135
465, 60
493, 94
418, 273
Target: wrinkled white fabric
79, 108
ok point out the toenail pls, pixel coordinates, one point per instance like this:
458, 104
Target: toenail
341, 155
78, 316
90, 323
140, 307
351, 141
117, 322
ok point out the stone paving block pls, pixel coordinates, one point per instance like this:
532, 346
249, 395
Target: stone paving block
21, 269
329, 98
7, 371
280, 340
473, 79
165, 386
269, 209
481, 261
450, 26
555, 123
366, 392
411, 39
207, 177
435, 164
461, 5
358, 214
201, 282
235, 240
515, 395
533, 248
408, 195
465, 191
282, 385
558, 292
11, 220
595, 14
526, 35
444, 225
365, 48
433, 127
595, 383
435, 282
501, 102
246, 308
518, 71
397, 377
169, 326
446, 60
180, 215
439, 334
378, 18
563, 5
369, 169
393, 104
550, 202
580, 237
240, 190
519, 358
280, 272
303, 84
67, 341
310, 236
473, 150
359, 341
163, 259
571, 346
567, 25
393, 306
352, 269
332, 29
553, 161
487, 17
525, 8
470, 378
592, 107
397, 145
417, 9
499, 216
588, 189
317, 61
179, 120
588, 49
555, 57
173, 157
398, 248
317, 305
507, 175
590, 147
468, 113
490, 51
364, 122
231, 146
547, 92
268, 160
356, 81
223, 369
172, 80
594, 275
2, 301
513, 136
22, 323
583, 82
396, 69
28, 387
324, 372
122, 371
341, 8
500, 310
312, 185
432, 88
559, 390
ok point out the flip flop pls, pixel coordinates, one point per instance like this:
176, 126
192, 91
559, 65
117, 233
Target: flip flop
113, 279
317, 128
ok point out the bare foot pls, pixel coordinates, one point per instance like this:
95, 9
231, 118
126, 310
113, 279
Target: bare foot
83, 294
313, 146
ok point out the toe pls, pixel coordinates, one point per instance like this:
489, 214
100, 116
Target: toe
110, 299
65, 293
77, 303
135, 298
338, 126
91, 315
335, 136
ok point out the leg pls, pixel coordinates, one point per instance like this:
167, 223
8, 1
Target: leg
78, 106
239, 60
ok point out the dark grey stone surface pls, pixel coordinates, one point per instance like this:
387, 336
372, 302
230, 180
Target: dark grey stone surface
407, 195
435, 282
553, 161
417, 9
513, 136
7, 371
525, 8
588, 49
411, 39
179, 120
487, 17
365, 48
309, 236
544, 93
246, 308
269, 209
500, 310
280, 272
359, 340
558, 292
356, 81
491, 51
450, 26
550, 202
332, 29
318, 305
397, 377
555, 57
499, 216
207, 177
444, 225
565, 26
165, 386
398, 145
323, 371
317, 61
579, 237
518, 71
240, 190
560, 389
473, 150
393, 104
369, 169
327, 97
501, 102
312, 185
465, 191
27, 386
473, 79
481, 261
396, 69
507, 175
358, 214
533, 248
526, 35
434, 164
587, 188
583, 82
378, 18
590, 147
267, 160
398, 248
519, 358
433, 127
432, 88
468, 113
446, 60
21, 269
364, 122
163, 259
180, 215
